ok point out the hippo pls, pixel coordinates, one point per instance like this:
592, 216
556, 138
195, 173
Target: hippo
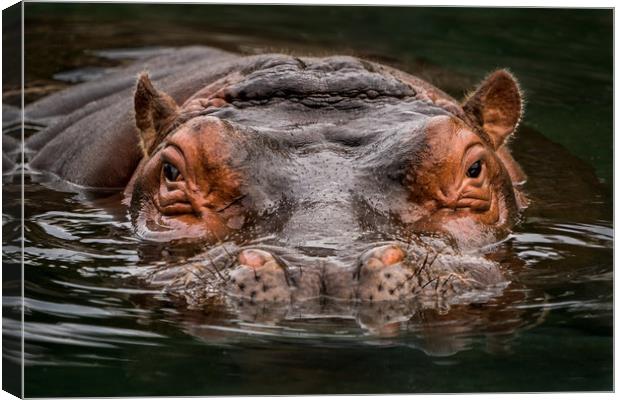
298, 179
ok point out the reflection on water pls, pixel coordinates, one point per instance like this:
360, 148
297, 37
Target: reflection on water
93, 328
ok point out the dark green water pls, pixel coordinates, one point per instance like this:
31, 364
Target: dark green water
91, 330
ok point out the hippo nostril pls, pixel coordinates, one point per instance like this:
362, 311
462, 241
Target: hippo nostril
380, 258
253, 258
384, 255
392, 255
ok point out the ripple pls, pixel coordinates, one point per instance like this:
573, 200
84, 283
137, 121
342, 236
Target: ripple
78, 334
116, 290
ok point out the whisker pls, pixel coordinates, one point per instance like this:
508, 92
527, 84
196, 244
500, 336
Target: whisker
429, 282
419, 271
445, 282
434, 258
409, 242
215, 267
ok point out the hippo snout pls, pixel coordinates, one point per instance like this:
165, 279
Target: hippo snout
387, 272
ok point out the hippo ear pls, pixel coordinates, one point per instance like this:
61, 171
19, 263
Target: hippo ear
496, 106
154, 110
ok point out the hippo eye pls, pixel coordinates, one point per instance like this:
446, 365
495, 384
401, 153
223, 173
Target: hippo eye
474, 170
171, 173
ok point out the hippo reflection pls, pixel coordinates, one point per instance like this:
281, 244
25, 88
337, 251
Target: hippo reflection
305, 178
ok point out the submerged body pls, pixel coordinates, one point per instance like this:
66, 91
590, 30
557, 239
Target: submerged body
306, 178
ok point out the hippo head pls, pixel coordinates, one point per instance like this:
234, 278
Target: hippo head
324, 152
334, 163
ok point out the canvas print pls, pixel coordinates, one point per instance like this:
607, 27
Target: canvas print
204, 200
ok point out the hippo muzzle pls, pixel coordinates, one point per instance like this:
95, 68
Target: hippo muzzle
384, 273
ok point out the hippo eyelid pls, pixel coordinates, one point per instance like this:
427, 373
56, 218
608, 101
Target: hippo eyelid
172, 147
472, 147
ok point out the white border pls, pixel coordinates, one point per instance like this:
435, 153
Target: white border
452, 3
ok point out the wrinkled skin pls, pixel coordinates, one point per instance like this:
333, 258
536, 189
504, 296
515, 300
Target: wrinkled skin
318, 178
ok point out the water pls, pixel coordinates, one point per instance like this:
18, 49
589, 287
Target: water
93, 329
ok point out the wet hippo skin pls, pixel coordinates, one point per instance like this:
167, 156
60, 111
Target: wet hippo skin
302, 178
